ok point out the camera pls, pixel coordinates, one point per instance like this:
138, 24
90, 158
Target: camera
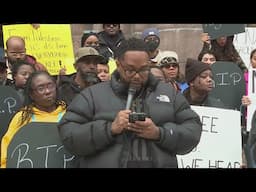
136, 117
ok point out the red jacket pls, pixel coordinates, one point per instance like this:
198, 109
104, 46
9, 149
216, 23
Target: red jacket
39, 66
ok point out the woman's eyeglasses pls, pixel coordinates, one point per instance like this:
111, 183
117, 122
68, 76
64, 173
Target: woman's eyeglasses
42, 88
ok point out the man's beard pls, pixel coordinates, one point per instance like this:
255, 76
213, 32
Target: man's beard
90, 78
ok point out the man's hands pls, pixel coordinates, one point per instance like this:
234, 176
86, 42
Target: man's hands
145, 129
245, 101
35, 25
205, 38
121, 122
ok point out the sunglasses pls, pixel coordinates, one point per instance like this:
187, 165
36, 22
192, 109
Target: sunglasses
111, 25
168, 65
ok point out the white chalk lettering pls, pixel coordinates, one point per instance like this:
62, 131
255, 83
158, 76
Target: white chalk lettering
22, 159
47, 153
11, 103
226, 79
66, 160
44, 156
236, 78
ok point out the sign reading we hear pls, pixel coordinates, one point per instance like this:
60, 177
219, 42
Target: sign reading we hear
218, 30
218, 127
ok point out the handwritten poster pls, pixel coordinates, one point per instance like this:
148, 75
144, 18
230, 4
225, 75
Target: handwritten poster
50, 44
245, 43
220, 145
252, 95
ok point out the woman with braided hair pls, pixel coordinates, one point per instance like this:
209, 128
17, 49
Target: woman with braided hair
40, 105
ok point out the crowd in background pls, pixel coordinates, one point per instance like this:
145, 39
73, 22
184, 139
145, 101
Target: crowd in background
47, 98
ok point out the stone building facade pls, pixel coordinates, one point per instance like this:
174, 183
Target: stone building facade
185, 39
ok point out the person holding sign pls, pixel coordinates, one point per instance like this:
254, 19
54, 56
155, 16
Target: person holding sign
248, 132
16, 50
199, 77
223, 48
245, 99
207, 57
40, 105
101, 130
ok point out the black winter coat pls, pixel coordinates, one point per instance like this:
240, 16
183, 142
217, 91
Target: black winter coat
85, 129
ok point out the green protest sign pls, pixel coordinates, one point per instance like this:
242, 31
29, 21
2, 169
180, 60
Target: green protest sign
229, 83
38, 145
218, 30
10, 102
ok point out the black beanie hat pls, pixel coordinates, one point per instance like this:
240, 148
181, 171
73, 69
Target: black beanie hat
194, 68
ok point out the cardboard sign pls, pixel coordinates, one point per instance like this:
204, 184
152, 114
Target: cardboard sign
245, 43
220, 144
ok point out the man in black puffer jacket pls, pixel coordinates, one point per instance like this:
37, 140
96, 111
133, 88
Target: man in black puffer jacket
96, 126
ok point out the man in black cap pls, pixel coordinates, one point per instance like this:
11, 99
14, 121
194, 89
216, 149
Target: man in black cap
199, 77
3, 73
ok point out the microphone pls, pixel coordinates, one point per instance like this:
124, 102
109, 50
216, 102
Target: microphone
131, 93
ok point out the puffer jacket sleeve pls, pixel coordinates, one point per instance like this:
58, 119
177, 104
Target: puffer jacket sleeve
182, 136
80, 133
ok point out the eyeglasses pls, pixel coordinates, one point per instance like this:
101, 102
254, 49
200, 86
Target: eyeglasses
168, 62
111, 25
17, 53
167, 66
141, 72
42, 88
